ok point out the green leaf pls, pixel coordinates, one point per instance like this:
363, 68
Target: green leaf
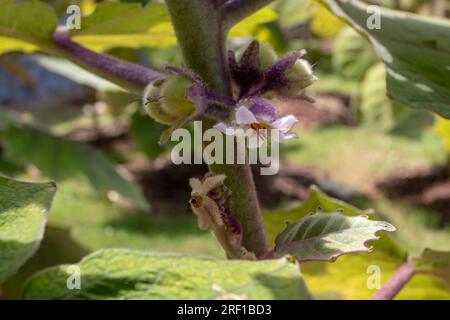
434, 262
126, 25
326, 236
10, 44
31, 21
23, 215
414, 49
249, 25
376, 109
60, 159
324, 24
347, 278
124, 274
26, 19
72, 232
352, 54
275, 221
442, 129
293, 13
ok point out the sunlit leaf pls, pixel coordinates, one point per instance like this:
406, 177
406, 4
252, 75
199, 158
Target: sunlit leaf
10, 44
247, 26
442, 128
434, 262
347, 278
324, 24
124, 274
375, 107
115, 24
352, 54
293, 13
274, 222
23, 214
415, 50
325, 236
354, 277
25, 25
28, 20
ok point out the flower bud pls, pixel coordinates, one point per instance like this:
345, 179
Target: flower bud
173, 93
267, 55
299, 77
152, 104
166, 101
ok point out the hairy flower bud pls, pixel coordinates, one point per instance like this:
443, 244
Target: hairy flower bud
166, 101
173, 92
152, 103
288, 77
267, 55
299, 77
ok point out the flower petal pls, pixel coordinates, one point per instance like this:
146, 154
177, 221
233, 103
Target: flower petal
262, 110
225, 128
245, 116
284, 137
284, 124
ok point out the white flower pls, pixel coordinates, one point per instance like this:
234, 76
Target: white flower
257, 125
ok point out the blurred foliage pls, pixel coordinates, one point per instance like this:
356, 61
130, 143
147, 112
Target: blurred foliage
145, 134
370, 156
376, 108
347, 277
442, 128
293, 13
325, 24
352, 54
60, 159
434, 262
126, 25
82, 222
414, 50
250, 25
388, 136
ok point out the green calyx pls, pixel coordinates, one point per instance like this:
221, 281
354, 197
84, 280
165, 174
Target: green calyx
300, 76
166, 101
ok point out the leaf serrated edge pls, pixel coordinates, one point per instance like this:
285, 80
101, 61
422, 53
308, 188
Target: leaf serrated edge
333, 258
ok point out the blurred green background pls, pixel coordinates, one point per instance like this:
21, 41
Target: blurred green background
118, 188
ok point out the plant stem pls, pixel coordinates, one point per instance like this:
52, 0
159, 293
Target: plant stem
400, 278
202, 38
130, 76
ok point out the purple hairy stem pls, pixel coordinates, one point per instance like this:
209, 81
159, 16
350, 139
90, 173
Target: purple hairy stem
201, 33
128, 75
396, 283
221, 198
